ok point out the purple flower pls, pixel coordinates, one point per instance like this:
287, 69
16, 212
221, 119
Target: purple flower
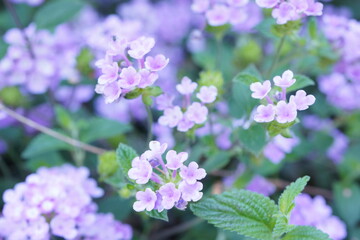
171, 117
285, 112
284, 13
170, 195
145, 200
267, 3
314, 8
110, 73
197, 113
147, 78
200, 6
300, 5
186, 87
192, 173
140, 47
157, 148
260, 185
218, 15
156, 63
141, 170
63, 227
207, 94
129, 78
260, 90
237, 3
191, 192
164, 101
117, 47
301, 100
265, 113
111, 91
174, 160
185, 124
286, 80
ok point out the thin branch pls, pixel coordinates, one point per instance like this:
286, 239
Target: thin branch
281, 184
19, 25
50, 132
177, 229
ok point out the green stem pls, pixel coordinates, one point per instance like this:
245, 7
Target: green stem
277, 56
150, 123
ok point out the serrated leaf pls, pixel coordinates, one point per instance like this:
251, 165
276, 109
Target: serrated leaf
286, 200
305, 233
55, 12
253, 138
275, 128
281, 226
158, 215
102, 128
124, 156
247, 213
301, 82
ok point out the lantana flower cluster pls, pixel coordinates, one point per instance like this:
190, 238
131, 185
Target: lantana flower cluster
165, 184
58, 202
190, 114
121, 74
221, 12
278, 147
315, 212
278, 108
291, 10
342, 85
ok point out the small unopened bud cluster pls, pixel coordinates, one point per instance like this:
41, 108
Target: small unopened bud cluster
278, 108
165, 184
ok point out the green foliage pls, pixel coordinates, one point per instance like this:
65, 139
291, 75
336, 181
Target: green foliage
290, 28
63, 118
124, 157
247, 213
11, 96
158, 215
217, 161
305, 233
50, 159
107, 164
301, 82
43, 143
208, 78
241, 92
286, 200
102, 128
346, 200
275, 128
83, 61
55, 12
256, 216
119, 207
253, 138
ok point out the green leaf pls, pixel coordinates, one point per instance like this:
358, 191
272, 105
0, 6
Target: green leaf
50, 159
134, 93
281, 226
286, 200
102, 128
241, 92
305, 233
124, 156
119, 207
153, 91
55, 12
63, 117
43, 143
247, 213
301, 82
312, 28
217, 161
275, 128
253, 138
158, 215
346, 199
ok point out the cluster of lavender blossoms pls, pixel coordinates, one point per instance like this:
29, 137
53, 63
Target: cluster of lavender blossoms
342, 85
241, 14
278, 108
172, 183
120, 75
191, 114
291, 10
58, 202
278, 147
315, 212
